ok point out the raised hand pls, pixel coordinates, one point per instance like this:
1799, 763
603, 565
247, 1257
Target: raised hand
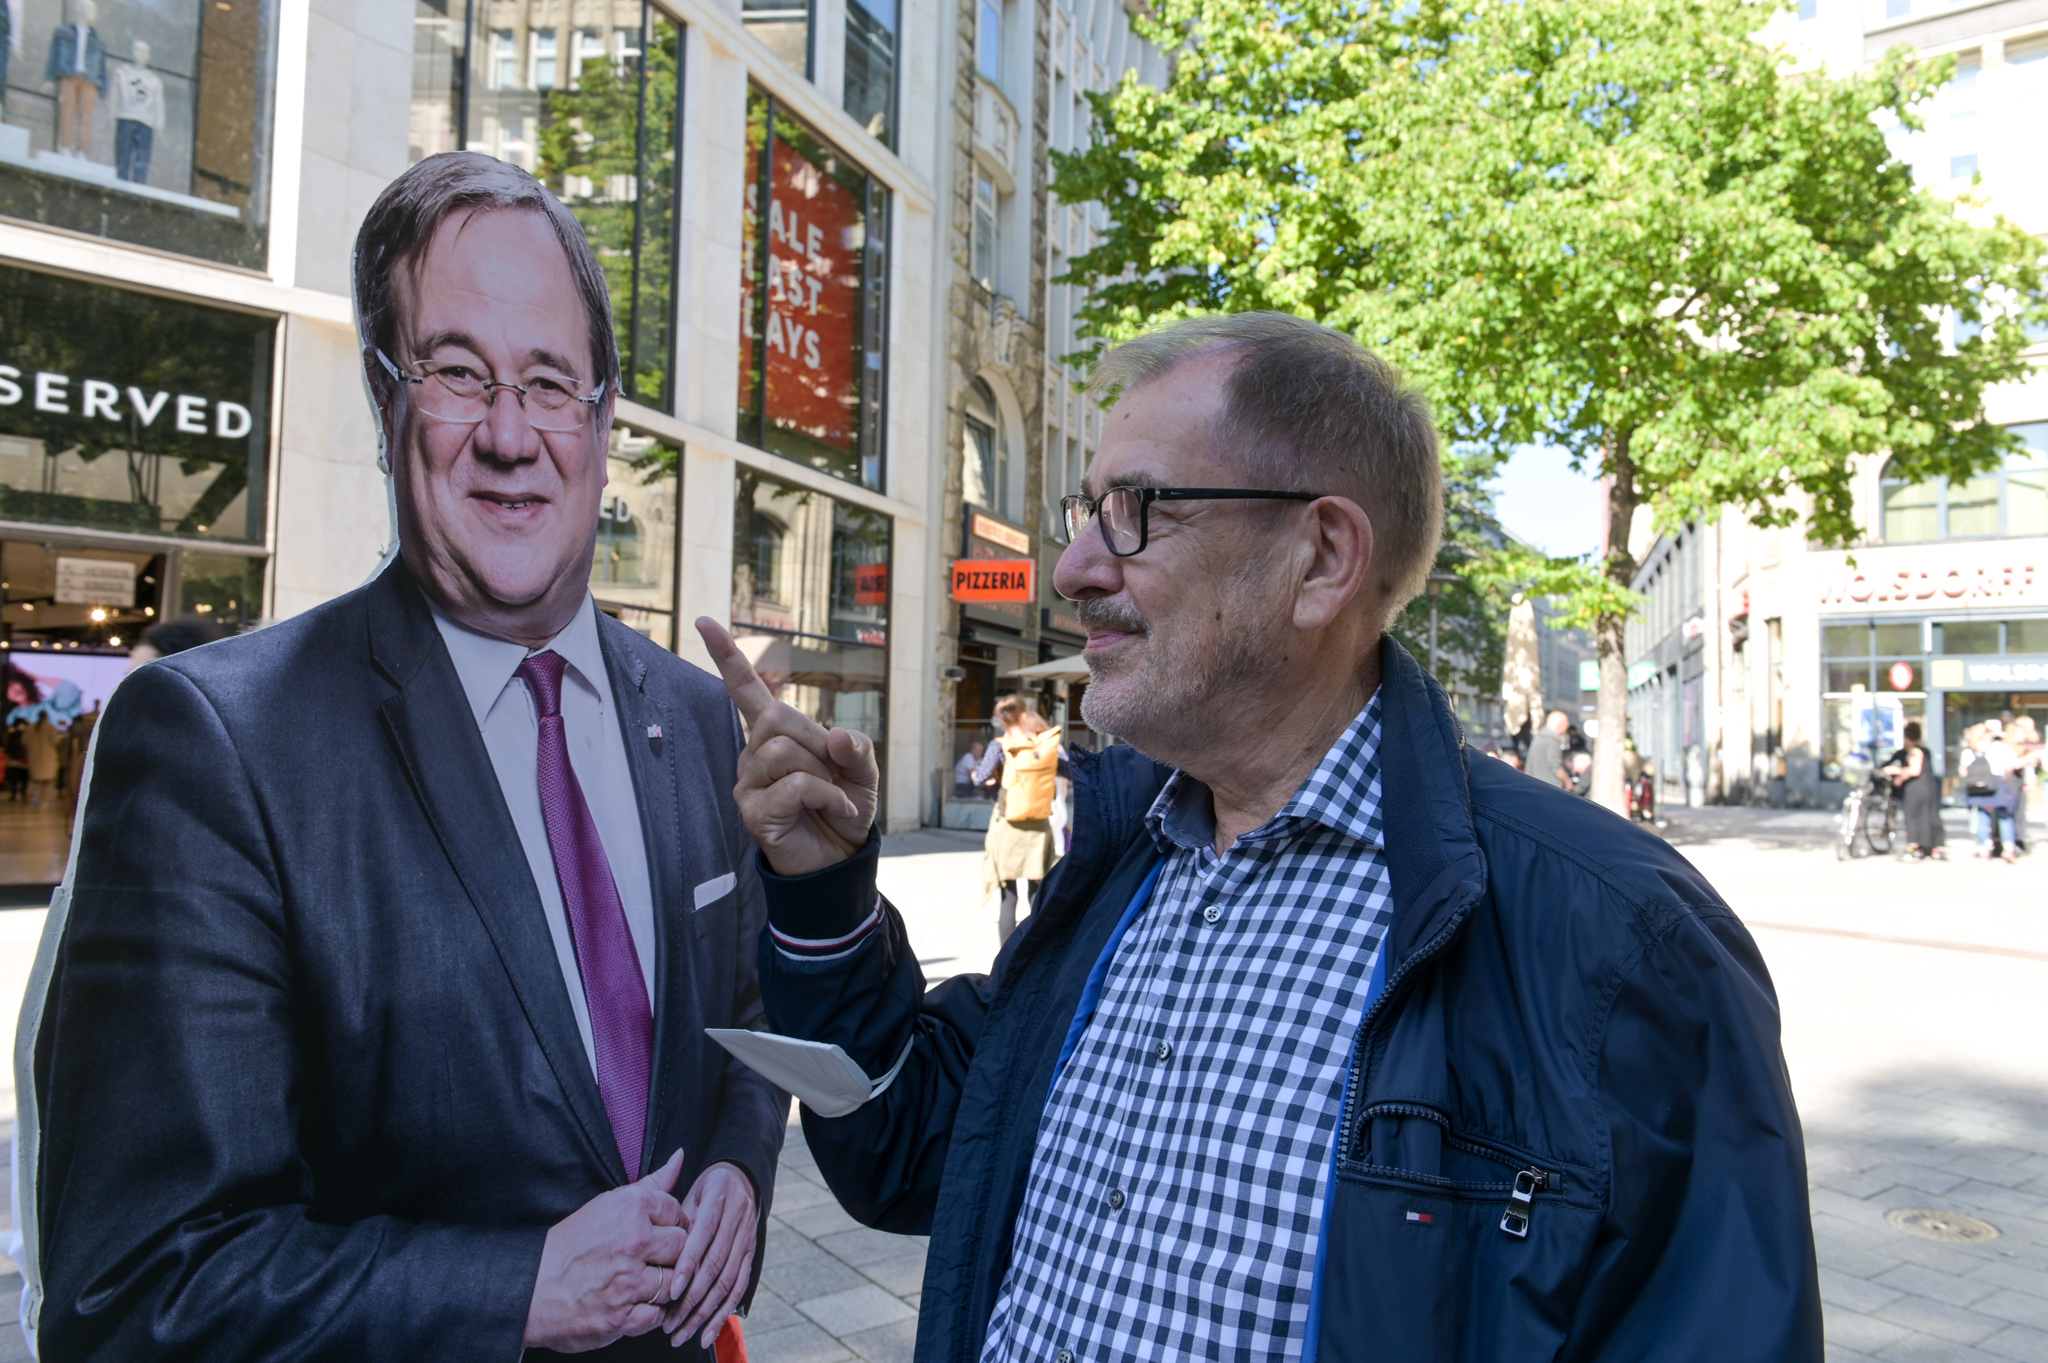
605, 1270
807, 793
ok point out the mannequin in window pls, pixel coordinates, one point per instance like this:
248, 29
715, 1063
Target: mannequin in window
138, 114
78, 64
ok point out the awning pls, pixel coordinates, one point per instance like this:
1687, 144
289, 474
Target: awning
1059, 669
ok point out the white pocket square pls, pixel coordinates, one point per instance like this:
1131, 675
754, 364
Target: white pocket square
716, 889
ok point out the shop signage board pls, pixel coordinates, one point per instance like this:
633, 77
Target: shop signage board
995, 579
95, 582
871, 584
986, 538
995, 532
1908, 577
1961, 674
814, 241
125, 411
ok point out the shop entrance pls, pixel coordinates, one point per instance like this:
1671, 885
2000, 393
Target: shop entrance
68, 616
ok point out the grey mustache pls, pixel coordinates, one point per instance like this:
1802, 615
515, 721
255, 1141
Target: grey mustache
1111, 613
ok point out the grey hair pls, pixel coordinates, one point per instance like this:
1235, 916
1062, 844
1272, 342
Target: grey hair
412, 208
1309, 409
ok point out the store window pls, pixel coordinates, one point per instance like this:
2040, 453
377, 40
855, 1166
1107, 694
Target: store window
785, 26
591, 111
871, 66
810, 600
1874, 680
140, 121
2010, 500
124, 411
1991, 636
812, 301
633, 568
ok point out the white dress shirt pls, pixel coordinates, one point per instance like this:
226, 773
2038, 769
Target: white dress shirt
510, 723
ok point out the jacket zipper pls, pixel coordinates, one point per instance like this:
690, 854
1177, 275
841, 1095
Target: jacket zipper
1528, 1183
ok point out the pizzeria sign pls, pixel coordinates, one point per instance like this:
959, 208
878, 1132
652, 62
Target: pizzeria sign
995, 579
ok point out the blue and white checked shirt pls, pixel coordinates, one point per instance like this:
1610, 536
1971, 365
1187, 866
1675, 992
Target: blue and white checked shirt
1176, 1194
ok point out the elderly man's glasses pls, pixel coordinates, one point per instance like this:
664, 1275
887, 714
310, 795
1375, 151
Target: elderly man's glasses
1126, 512
461, 394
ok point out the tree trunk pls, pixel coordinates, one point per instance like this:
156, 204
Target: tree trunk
1610, 631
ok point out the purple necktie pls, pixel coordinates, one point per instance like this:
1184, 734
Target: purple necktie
621, 1025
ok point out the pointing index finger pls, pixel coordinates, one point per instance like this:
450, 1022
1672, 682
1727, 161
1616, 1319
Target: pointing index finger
742, 682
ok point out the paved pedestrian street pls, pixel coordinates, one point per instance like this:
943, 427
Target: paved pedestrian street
1916, 1031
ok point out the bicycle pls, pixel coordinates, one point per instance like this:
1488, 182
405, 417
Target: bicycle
1870, 814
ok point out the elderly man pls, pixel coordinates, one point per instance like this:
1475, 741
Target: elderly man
1327, 1040
376, 1026
1547, 760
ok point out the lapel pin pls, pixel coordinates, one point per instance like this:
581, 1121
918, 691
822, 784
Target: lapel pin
654, 731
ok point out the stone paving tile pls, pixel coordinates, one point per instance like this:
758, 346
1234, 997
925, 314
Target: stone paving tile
2016, 1276
812, 1222
1921, 1281
1854, 1293
2020, 1308
857, 1309
799, 1343
798, 1270
860, 1246
903, 1275
892, 1343
1922, 1349
1855, 1330
2028, 1346
1939, 1319
770, 1312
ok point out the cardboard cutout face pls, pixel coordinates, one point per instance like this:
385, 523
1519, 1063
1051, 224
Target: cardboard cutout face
500, 462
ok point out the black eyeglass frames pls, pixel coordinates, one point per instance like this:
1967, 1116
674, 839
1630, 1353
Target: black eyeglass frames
1126, 512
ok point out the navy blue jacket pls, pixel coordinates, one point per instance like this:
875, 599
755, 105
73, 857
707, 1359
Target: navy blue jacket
1566, 1003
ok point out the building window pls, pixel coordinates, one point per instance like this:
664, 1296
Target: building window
810, 600
1809, 9
988, 40
1991, 636
1962, 167
605, 140
123, 411
986, 216
1874, 679
988, 471
813, 301
871, 66
785, 26
633, 567
2012, 500
1897, 9
141, 122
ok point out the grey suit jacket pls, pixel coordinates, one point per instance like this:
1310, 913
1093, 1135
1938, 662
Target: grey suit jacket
310, 1085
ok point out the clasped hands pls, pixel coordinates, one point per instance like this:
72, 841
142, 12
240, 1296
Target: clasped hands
636, 1259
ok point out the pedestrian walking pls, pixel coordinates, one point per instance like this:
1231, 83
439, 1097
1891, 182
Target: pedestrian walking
1020, 849
1919, 789
1547, 749
1327, 1039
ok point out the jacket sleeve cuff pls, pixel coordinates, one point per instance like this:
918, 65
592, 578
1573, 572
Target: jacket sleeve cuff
828, 912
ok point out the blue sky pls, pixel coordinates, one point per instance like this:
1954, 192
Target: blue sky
1540, 499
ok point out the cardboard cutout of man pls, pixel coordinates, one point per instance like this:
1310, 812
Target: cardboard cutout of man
374, 1024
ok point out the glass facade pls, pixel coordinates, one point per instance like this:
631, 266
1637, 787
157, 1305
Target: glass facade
633, 569
585, 99
871, 66
812, 300
810, 600
141, 122
124, 411
785, 26
2012, 500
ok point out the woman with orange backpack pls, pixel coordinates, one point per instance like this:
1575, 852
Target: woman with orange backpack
1020, 843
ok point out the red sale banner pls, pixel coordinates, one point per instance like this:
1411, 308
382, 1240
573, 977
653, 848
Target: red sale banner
813, 287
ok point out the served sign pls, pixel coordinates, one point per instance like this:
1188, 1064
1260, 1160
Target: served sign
995, 579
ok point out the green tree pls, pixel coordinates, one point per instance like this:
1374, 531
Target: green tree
1623, 227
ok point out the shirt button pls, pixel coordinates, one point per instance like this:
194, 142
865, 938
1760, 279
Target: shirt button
1164, 1050
1116, 1199
1212, 915
1063, 1356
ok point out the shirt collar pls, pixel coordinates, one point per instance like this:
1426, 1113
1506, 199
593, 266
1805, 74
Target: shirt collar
486, 666
1342, 794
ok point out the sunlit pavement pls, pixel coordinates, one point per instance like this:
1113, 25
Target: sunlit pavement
1915, 1000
